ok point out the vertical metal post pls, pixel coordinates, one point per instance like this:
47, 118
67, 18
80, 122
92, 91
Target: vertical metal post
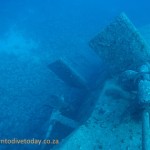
144, 99
146, 130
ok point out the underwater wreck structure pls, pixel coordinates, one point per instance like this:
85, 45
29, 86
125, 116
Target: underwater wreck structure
111, 116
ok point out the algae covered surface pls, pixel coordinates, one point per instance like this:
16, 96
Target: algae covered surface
33, 35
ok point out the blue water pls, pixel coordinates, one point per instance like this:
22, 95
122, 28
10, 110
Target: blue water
33, 34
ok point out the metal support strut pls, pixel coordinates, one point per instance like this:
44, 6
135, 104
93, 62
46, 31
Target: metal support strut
144, 99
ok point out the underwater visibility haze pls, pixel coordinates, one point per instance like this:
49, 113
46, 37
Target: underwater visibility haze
58, 86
